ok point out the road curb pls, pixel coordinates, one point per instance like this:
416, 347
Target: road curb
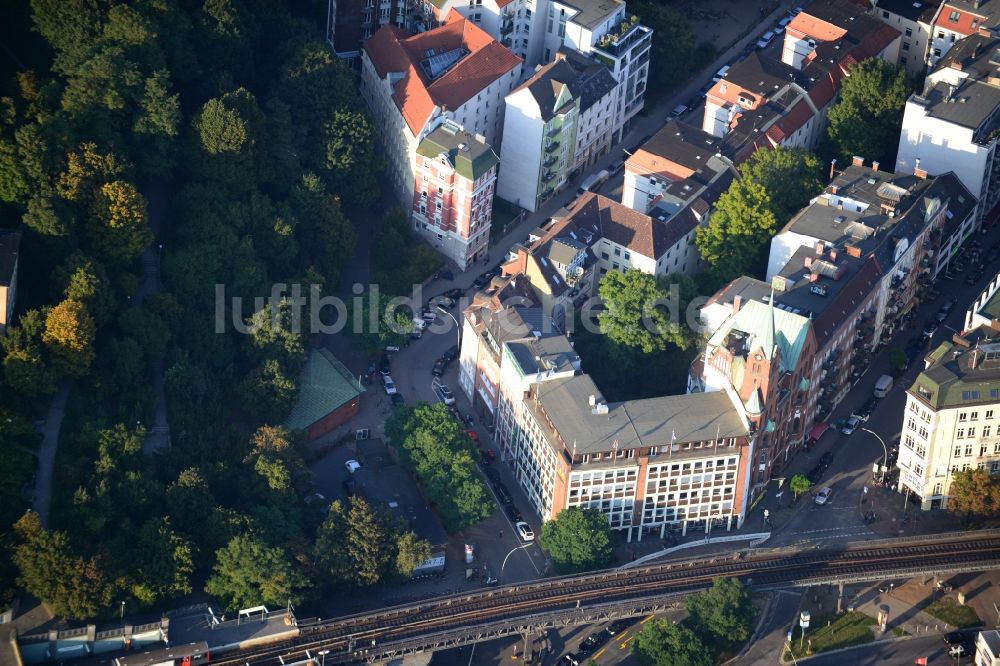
880, 641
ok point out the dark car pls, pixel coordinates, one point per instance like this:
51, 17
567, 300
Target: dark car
815, 474
617, 627
954, 638
439, 368
385, 368
454, 294
397, 398
492, 474
481, 281
348, 486
512, 513
502, 493
826, 459
594, 641
450, 354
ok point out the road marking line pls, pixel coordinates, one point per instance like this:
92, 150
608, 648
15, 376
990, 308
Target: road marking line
647, 619
599, 653
622, 635
622, 646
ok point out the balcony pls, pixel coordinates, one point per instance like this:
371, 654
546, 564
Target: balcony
555, 129
552, 147
548, 176
506, 26
624, 37
549, 161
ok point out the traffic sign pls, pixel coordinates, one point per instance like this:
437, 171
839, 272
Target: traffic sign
804, 619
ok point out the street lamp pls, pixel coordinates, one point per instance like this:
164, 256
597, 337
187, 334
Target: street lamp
512, 550
885, 451
458, 329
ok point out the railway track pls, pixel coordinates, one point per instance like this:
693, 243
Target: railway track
343, 636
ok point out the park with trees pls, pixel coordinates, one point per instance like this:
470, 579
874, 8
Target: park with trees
229, 133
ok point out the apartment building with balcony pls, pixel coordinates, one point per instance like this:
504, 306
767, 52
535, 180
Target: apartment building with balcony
413, 84
951, 421
10, 249
565, 259
957, 19
453, 198
898, 218
762, 102
646, 464
350, 22
915, 19
760, 358
954, 123
549, 128
505, 310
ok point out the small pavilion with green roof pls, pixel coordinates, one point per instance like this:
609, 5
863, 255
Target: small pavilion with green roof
329, 396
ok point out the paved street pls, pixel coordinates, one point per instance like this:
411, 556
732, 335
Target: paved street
900, 651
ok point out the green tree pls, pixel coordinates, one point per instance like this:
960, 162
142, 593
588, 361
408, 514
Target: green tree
974, 492
71, 27
790, 176
349, 156
369, 542
248, 572
799, 484
867, 118
897, 361
71, 585
578, 540
117, 227
25, 368
638, 312
269, 394
723, 613
663, 643
411, 552
735, 239
332, 555
81, 278
69, 334
163, 563
379, 324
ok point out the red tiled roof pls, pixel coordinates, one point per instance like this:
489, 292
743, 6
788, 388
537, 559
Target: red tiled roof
390, 50
797, 116
965, 19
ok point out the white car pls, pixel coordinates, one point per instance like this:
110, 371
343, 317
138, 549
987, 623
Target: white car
823, 495
524, 531
390, 386
352, 466
444, 394
765, 39
852, 424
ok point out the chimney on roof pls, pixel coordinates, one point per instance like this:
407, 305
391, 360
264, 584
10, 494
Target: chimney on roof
592, 400
875, 164
833, 163
854, 251
820, 248
834, 189
807, 262
814, 277
857, 160
559, 56
833, 255
737, 302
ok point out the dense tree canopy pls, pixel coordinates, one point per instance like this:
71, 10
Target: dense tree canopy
722, 614
640, 312
867, 118
663, 643
248, 573
578, 540
976, 492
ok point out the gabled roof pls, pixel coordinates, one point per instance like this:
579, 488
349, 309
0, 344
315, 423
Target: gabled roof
467, 155
444, 67
762, 324
324, 386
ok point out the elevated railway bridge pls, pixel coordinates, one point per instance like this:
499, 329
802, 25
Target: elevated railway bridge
529, 608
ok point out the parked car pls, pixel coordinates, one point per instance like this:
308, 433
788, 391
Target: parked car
722, 71
765, 39
397, 398
851, 425
352, 465
678, 111
392, 348
512, 513
930, 329
502, 493
450, 354
385, 369
783, 23
439, 367
481, 281
493, 475
444, 394
348, 485
826, 459
617, 627
388, 384
823, 495
524, 531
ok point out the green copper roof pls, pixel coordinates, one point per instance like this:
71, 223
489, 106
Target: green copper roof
469, 156
324, 386
767, 328
959, 375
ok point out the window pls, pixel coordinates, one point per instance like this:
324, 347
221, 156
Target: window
974, 416
628, 255
972, 432
937, 53
968, 450
885, 14
618, 252
604, 255
615, 265
954, 16
909, 32
906, 46
986, 431
963, 417
960, 433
